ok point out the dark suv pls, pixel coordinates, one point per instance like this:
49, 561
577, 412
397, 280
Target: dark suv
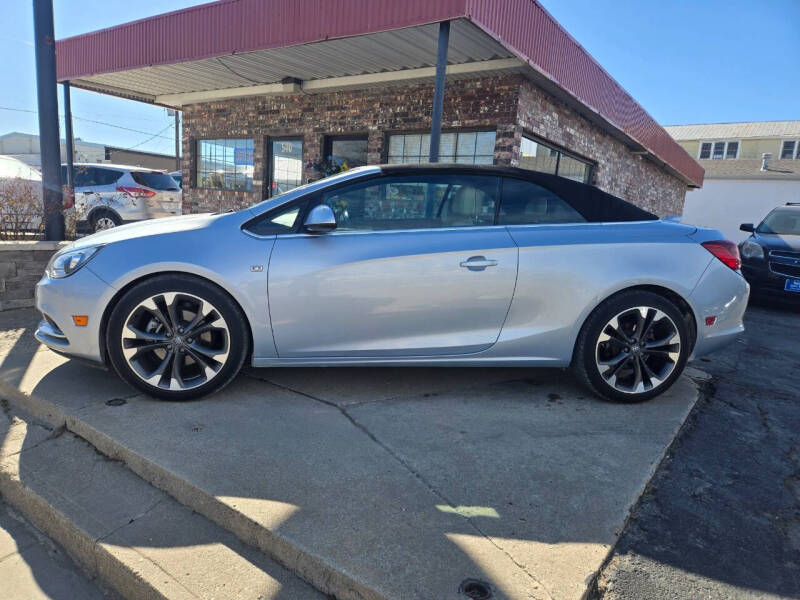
771, 255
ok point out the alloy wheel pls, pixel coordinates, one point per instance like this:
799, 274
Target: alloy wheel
638, 349
103, 223
175, 341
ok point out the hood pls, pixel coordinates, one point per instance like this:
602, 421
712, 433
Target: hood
774, 241
149, 227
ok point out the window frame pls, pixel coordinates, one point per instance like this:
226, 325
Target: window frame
713, 143
318, 196
329, 138
197, 158
559, 150
314, 198
503, 179
268, 174
456, 130
795, 151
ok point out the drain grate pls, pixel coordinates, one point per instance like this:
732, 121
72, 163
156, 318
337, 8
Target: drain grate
475, 589
116, 402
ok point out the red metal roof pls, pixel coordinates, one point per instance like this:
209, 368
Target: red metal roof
238, 26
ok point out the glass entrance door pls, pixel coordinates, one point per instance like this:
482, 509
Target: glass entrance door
285, 161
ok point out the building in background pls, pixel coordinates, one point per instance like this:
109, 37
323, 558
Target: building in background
25, 147
750, 169
267, 108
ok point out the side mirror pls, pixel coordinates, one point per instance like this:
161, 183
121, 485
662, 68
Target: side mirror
747, 227
320, 220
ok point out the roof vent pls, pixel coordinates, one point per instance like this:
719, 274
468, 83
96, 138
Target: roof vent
765, 161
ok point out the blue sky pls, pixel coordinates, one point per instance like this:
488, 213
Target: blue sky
685, 61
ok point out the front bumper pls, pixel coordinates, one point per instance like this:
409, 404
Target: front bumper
767, 283
82, 293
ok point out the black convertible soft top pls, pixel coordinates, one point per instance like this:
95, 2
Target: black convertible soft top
593, 203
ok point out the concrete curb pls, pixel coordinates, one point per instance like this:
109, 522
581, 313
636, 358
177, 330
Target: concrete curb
104, 517
82, 547
698, 378
300, 561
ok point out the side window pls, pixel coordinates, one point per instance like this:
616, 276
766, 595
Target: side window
525, 202
84, 176
106, 176
282, 220
414, 202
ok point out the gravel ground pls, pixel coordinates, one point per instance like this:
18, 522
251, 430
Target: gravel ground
721, 518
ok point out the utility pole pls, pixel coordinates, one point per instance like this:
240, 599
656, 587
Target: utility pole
438, 90
70, 140
49, 139
177, 137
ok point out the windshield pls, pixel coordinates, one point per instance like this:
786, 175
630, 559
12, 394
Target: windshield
783, 221
155, 180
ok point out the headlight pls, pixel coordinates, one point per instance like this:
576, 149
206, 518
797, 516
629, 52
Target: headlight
752, 250
66, 263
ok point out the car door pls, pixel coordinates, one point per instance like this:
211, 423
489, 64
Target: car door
416, 267
83, 178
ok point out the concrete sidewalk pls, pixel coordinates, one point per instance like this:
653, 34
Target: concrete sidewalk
382, 483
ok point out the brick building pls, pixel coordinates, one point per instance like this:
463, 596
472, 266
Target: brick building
267, 108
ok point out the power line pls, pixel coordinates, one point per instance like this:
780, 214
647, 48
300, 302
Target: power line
25, 110
150, 138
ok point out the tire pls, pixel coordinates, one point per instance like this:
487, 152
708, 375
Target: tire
607, 358
177, 337
104, 219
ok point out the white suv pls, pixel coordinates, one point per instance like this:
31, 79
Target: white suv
109, 195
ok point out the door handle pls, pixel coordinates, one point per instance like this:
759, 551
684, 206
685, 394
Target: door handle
478, 263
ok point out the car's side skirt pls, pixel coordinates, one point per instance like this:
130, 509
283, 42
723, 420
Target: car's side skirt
412, 361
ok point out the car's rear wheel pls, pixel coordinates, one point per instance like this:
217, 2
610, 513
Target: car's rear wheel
632, 347
104, 219
177, 337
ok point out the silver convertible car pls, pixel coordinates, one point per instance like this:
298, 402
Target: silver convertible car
438, 265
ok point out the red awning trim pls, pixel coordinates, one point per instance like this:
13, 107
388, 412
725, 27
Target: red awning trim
237, 26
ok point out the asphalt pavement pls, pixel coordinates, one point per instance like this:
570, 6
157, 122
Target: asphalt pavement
721, 518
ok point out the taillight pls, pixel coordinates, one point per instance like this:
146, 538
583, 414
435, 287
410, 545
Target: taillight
726, 251
67, 196
136, 192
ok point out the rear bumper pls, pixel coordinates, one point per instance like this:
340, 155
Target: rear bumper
721, 293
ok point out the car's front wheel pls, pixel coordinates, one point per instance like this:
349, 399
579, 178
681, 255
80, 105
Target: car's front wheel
177, 337
632, 347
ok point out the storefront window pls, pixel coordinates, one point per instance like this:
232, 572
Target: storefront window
467, 147
536, 156
349, 152
286, 165
225, 164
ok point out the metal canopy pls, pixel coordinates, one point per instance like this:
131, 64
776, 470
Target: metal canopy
388, 51
234, 48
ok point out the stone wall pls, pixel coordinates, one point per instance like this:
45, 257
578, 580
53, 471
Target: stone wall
616, 170
509, 104
22, 264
